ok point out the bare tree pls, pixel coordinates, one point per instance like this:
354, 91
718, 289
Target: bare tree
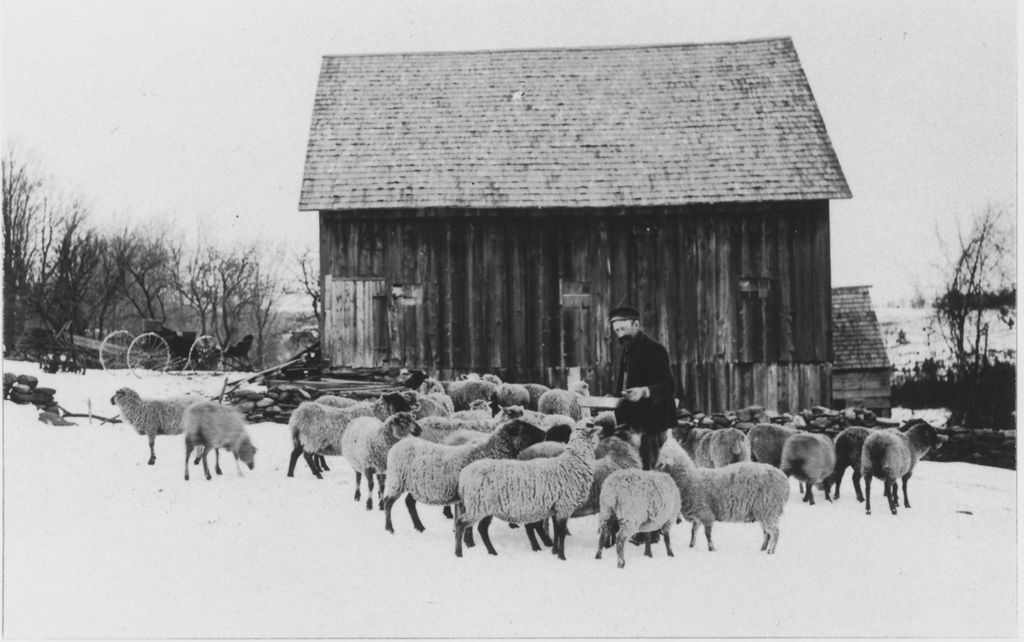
21, 204
980, 265
309, 280
145, 269
265, 292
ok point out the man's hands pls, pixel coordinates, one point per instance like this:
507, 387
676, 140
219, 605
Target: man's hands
636, 394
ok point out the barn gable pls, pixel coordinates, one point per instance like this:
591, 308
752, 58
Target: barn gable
856, 337
605, 127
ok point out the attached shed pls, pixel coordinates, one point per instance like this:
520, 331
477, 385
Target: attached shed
482, 211
860, 372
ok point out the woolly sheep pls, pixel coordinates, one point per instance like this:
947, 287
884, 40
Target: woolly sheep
543, 449
512, 394
526, 491
429, 472
464, 392
535, 390
436, 429
741, 492
211, 425
766, 442
518, 412
636, 501
479, 410
435, 404
366, 444
462, 436
334, 401
560, 402
493, 378
318, 430
431, 385
151, 417
809, 457
891, 455
849, 445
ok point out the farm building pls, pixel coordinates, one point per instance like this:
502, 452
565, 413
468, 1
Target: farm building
860, 370
482, 211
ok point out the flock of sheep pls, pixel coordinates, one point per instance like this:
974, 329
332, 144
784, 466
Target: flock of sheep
524, 453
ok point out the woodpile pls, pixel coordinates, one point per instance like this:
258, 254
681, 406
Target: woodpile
25, 389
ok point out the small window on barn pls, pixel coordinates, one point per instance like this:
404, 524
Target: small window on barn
755, 287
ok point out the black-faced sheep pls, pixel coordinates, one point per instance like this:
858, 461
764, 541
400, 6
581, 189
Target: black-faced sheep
429, 472
151, 417
742, 492
211, 425
849, 445
636, 501
526, 491
891, 455
366, 444
810, 458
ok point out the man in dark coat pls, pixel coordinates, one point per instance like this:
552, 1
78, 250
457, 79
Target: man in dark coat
645, 382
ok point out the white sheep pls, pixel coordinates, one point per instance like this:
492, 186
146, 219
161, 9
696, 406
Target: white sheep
512, 394
366, 443
437, 429
560, 402
518, 412
461, 436
429, 472
479, 409
334, 401
211, 425
891, 455
435, 404
431, 385
741, 492
151, 417
463, 392
636, 501
809, 457
493, 378
317, 430
766, 441
526, 491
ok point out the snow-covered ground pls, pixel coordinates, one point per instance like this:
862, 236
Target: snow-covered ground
923, 336
99, 545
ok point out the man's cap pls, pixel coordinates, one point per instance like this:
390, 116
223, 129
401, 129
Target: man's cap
624, 312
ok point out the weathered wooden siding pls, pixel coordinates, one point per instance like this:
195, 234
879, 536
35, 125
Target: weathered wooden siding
869, 388
739, 293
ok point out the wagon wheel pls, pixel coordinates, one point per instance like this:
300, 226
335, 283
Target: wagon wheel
205, 354
148, 351
114, 349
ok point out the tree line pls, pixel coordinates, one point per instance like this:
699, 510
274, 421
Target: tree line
61, 268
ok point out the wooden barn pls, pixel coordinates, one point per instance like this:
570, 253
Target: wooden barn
861, 368
482, 211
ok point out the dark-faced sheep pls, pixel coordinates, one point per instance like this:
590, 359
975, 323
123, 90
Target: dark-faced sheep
211, 425
891, 456
849, 445
810, 458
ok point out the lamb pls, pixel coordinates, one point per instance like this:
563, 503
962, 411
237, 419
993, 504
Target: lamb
741, 492
151, 417
810, 458
891, 455
366, 444
636, 501
512, 394
535, 390
318, 430
465, 391
526, 491
211, 425
849, 445
429, 472
766, 442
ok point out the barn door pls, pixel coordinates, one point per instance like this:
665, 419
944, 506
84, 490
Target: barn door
576, 323
355, 321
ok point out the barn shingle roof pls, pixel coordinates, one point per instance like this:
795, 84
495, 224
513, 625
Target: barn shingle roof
856, 337
637, 126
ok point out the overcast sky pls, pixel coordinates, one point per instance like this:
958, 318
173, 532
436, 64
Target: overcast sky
199, 111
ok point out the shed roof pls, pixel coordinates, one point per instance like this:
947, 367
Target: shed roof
856, 337
622, 126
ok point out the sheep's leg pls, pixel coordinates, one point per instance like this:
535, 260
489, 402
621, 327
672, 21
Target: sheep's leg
206, 467
808, 494
460, 528
836, 479
800, 487
856, 487
867, 493
389, 501
313, 466
894, 498
668, 545
693, 534
322, 462
541, 528
620, 546
482, 527
199, 454
296, 451
216, 456
707, 534
647, 545
534, 546
152, 453
773, 540
410, 503
447, 511
188, 451
906, 498
359, 483
767, 537
369, 489
560, 524
380, 491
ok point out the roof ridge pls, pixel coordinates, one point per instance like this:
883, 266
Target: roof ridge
688, 45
